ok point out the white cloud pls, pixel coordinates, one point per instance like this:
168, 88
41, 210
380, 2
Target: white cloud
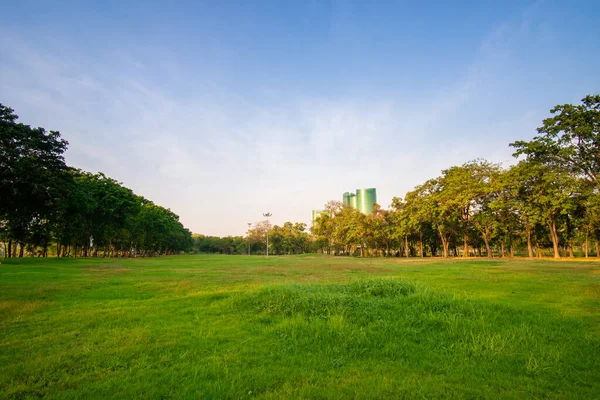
219, 160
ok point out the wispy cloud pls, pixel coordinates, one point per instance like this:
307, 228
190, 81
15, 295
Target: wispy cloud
220, 159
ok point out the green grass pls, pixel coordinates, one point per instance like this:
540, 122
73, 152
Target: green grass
299, 327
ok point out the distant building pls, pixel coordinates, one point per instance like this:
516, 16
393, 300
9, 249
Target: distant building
362, 200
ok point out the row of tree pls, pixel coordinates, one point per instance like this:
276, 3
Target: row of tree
46, 204
291, 238
549, 200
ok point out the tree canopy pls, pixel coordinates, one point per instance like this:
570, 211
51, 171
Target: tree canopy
569, 139
548, 200
44, 200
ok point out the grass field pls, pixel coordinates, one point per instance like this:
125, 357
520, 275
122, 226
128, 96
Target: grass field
299, 327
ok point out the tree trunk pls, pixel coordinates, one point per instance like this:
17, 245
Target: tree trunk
487, 245
465, 244
445, 243
554, 235
597, 248
502, 248
21, 250
9, 249
587, 241
571, 250
406, 246
529, 248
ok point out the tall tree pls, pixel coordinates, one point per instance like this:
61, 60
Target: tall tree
546, 194
443, 214
31, 164
465, 187
569, 139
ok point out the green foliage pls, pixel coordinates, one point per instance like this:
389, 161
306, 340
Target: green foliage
570, 139
32, 171
291, 238
548, 199
44, 200
221, 245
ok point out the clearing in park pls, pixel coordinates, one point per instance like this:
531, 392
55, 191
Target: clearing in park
299, 327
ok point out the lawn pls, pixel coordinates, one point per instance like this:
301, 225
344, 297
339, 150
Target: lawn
299, 327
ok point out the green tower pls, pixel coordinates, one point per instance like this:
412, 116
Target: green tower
353, 200
365, 199
346, 198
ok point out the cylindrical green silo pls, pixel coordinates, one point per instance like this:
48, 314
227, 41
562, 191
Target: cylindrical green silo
365, 199
346, 198
352, 200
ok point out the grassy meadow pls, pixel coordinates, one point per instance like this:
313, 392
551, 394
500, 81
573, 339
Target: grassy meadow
209, 326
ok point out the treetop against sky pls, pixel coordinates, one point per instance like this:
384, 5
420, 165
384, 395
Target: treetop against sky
224, 111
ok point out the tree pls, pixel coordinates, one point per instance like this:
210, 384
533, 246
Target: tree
464, 188
545, 194
42, 198
31, 168
486, 221
321, 230
441, 212
570, 139
591, 220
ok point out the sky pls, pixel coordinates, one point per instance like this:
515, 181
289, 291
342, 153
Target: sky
223, 111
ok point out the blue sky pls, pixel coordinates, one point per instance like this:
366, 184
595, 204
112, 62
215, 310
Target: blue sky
224, 110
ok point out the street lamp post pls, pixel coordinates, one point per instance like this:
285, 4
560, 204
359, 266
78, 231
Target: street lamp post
249, 225
268, 215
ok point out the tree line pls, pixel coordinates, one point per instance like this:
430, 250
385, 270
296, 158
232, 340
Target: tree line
290, 238
546, 204
549, 202
46, 204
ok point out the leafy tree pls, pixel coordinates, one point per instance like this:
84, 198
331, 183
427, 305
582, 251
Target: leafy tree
43, 199
442, 210
31, 167
466, 187
591, 220
546, 194
570, 139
